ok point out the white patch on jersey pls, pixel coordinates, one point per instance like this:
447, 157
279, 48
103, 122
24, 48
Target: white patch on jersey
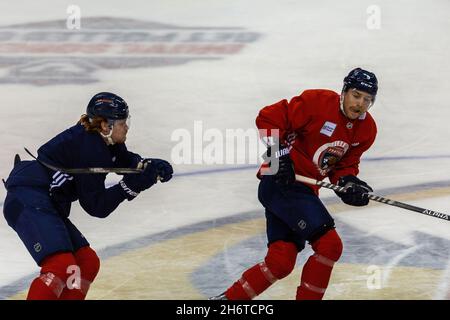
355, 144
328, 128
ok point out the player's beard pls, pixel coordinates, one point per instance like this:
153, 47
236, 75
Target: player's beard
355, 112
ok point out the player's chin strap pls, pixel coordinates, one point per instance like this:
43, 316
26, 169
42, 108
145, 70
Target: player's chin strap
108, 136
341, 102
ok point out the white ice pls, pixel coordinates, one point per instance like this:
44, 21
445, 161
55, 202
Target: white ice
304, 44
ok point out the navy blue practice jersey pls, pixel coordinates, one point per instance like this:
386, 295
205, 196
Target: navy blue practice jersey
77, 148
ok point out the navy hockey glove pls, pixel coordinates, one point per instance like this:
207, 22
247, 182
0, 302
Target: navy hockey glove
133, 183
356, 191
285, 174
162, 167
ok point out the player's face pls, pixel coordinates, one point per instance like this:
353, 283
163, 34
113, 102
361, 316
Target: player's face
120, 129
356, 102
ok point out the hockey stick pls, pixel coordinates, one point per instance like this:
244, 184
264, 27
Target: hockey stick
85, 170
373, 197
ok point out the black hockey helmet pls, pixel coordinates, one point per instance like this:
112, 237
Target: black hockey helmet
361, 80
107, 105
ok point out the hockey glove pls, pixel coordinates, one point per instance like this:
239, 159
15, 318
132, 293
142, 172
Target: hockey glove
162, 167
133, 183
356, 194
285, 174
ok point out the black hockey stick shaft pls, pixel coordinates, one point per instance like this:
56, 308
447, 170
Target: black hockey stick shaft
85, 170
373, 197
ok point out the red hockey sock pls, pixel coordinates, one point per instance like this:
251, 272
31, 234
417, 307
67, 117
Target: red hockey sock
40, 291
249, 285
279, 262
50, 284
317, 270
89, 265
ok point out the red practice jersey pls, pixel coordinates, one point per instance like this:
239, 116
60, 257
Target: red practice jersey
327, 143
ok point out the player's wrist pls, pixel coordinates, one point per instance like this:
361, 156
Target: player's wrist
129, 193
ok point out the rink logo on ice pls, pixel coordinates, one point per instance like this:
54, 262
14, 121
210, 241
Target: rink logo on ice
49, 53
216, 146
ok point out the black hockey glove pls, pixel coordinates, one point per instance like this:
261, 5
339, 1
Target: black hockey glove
285, 174
356, 191
162, 167
133, 183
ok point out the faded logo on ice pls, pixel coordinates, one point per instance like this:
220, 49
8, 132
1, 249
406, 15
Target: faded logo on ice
47, 53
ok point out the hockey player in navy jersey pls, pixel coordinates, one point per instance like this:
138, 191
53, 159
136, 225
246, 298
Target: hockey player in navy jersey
38, 200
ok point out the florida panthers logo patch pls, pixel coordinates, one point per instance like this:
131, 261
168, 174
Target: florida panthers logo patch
326, 157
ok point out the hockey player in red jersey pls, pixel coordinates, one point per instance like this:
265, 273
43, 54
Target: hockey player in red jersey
318, 134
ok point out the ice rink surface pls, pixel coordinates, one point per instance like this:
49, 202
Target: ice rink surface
219, 62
